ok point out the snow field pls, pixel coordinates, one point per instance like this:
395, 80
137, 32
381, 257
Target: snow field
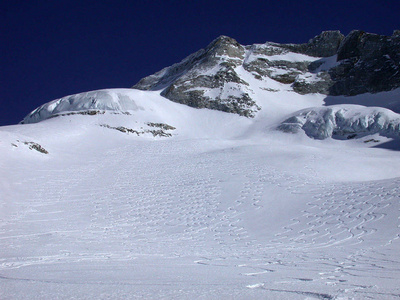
192, 218
225, 208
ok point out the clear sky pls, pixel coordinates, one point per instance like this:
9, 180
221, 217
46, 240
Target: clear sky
50, 49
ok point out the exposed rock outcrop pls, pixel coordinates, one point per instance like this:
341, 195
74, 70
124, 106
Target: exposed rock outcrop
369, 63
323, 45
329, 64
201, 79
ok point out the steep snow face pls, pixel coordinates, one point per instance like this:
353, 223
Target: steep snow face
344, 122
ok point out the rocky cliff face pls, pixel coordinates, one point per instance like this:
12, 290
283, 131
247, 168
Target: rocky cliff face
202, 79
221, 76
323, 45
368, 63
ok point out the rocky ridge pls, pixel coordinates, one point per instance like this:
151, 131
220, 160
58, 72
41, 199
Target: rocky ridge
218, 77
212, 68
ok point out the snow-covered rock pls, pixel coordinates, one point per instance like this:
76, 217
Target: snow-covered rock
93, 102
210, 70
343, 122
220, 76
217, 77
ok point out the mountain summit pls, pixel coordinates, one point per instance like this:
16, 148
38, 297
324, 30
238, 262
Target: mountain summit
225, 75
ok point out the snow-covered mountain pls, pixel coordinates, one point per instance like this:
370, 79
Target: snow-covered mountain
231, 77
241, 172
258, 80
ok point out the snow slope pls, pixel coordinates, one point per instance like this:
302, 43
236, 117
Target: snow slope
218, 207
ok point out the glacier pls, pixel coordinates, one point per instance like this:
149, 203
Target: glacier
224, 207
344, 122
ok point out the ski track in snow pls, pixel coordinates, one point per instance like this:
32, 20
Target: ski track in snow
157, 202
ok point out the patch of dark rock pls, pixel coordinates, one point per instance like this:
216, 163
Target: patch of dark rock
287, 78
372, 140
242, 105
37, 147
122, 113
369, 64
159, 132
351, 136
122, 129
270, 90
162, 126
84, 113
34, 146
323, 45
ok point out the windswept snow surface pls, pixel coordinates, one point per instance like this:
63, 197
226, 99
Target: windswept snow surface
224, 208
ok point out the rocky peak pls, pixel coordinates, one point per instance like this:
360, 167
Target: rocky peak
323, 45
369, 63
350, 45
225, 46
359, 44
203, 79
219, 76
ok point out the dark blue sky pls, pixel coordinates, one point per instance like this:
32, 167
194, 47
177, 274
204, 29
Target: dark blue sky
50, 49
